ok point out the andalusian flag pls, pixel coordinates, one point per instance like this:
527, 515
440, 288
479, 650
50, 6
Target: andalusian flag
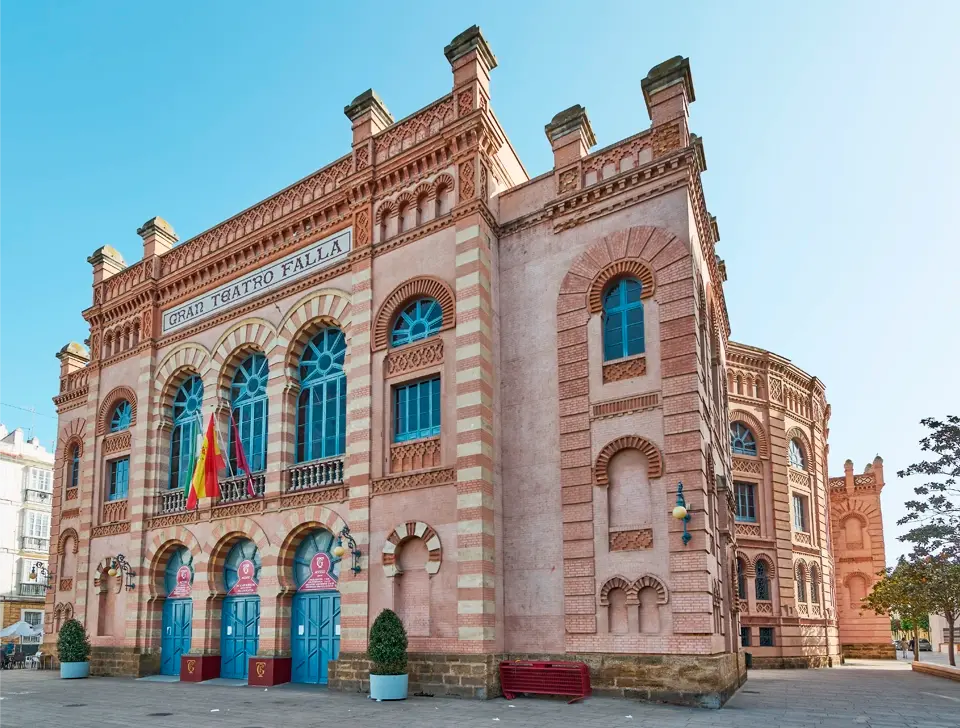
204, 482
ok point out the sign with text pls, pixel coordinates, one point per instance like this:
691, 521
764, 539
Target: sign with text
246, 585
320, 578
184, 585
316, 256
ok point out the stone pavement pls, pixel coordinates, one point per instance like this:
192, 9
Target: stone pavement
880, 694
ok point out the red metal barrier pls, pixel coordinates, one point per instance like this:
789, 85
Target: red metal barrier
545, 678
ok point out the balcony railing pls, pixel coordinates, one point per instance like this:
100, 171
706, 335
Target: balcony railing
235, 489
30, 543
32, 589
114, 511
315, 474
172, 501
37, 496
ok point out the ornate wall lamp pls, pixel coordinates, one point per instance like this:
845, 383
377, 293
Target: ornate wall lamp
339, 550
120, 565
681, 513
41, 568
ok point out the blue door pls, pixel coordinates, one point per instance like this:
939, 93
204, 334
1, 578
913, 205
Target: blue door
315, 628
240, 613
177, 617
175, 626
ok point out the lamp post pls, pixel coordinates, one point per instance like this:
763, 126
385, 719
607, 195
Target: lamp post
41, 568
120, 565
339, 550
681, 513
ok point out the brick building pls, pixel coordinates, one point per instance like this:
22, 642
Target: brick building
366, 333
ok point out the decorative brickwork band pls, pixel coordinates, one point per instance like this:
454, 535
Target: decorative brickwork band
634, 442
109, 403
622, 268
616, 371
403, 532
427, 286
66, 534
637, 540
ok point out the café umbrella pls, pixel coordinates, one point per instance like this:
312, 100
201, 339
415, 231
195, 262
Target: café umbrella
21, 629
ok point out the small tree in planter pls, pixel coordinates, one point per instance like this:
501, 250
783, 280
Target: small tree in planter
73, 650
388, 656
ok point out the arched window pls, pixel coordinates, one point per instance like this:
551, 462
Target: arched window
801, 579
322, 404
121, 417
741, 579
814, 585
622, 319
74, 467
248, 407
186, 427
742, 441
762, 582
796, 455
420, 319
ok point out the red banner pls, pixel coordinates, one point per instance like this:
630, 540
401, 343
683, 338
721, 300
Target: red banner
320, 578
184, 585
246, 585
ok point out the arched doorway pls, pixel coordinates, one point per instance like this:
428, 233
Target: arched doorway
176, 627
315, 631
240, 614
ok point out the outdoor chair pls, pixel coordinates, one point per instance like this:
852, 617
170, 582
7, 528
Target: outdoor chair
33, 661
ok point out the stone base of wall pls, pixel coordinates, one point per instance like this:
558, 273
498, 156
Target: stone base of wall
795, 662
123, 662
869, 651
706, 681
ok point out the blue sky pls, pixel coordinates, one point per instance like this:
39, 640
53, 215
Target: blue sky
829, 128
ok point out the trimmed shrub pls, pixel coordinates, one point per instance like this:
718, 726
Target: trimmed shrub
388, 645
72, 642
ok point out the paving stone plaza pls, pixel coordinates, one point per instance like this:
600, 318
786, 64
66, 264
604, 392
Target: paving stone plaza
863, 693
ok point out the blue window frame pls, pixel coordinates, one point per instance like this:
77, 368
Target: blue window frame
121, 417
742, 441
75, 467
421, 319
186, 427
322, 404
766, 637
119, 479
797, 459
746, 501
762, 582
799, 513
416, 410
744, 636
622, 319
741, 579
248, 407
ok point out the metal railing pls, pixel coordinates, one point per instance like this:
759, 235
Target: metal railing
235, 489
30, 543
32, 589
315, 474
37, 496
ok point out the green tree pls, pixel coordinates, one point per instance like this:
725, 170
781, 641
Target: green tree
902, 589
935, 517
941, 583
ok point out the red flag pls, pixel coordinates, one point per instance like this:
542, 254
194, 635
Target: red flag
204, 481
242, 463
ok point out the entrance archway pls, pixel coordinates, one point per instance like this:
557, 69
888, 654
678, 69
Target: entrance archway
176, 625
315, 630
240, 612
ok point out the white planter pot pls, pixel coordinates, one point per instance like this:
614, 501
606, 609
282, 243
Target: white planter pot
388, 687
69, 670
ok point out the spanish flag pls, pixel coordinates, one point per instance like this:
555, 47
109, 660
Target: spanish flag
204, 482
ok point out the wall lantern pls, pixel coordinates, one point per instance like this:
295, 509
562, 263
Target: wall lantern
120, 565
40, 568
339, 550
681, 513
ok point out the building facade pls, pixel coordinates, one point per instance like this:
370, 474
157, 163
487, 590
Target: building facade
464, 394
26, 495
857, 525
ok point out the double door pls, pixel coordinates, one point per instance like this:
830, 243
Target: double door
316, 635
176, 632
239, 635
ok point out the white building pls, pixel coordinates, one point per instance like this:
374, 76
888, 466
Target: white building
26, 494
939, 635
